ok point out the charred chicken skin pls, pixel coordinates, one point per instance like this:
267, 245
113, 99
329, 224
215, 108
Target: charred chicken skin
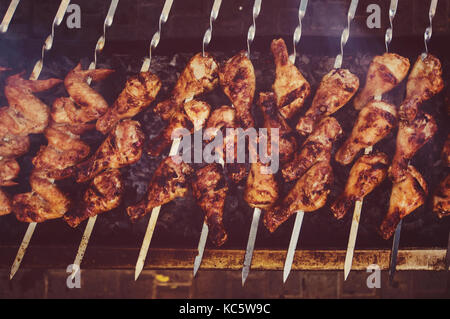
309, 194
410, 138
237, 78
385, 72
316, 148
122, 147
441, 198
407, 195
374, 122
290, 87
169, 181
139, 92
104, 194
366, 174
210, 190
200, 76
335, 90
262, 189
424, 81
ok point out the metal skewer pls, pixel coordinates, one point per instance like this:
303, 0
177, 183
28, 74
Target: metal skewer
34, 76
299, 215
358, 205
91, 222
396, 240
8, 15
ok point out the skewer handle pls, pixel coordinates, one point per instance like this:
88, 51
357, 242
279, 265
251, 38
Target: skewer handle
252, 29
346, 33
208, 34
429, 30
22, 249
388, 34
8, 16
157, 36
298, 29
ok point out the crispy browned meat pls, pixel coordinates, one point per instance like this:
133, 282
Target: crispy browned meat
290, 87
14, 146
309, 194
122, 147
237, 78
366, 174
410, 138
169, 181
139, 92
424, 81
406, 196
9, 169
441, 198
210, 190
222, 117
5, 204
272, 119
316, 148
335, 90
199, 76
103, 194
385, 72
197, 112
262, 189
374, 122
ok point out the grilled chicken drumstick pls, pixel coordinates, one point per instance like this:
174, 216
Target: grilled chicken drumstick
210, 190
290, 87
262, 189
316, 148
169, 181
309, 194
199, 76
385, 72
374, 122
366, 174
424, 81
406, 196
139, 92
335, 90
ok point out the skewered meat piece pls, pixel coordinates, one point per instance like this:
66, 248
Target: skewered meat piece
309, 194
424, 81
237, 78
410, 138
5, 204
316, 148
210, 190
14, 146
199, 76
169, 181
139, 92
441, 198
374, 122
407, 195
385, 72
192, 118
104, 194
122, 147
366, 174
290, 87
9, 169
262, 189
272, 119
335, 90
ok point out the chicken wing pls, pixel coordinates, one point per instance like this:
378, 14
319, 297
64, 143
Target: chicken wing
441, 198
262, 189
169, 181
14, 146
139, 92
309, 194
407, 195
122, 147
366, 174
374, 122
335, 90
385, 72
424, 81
316, 148
237, 78
9, 169
210, 190
410, 138
104, 194
290, 87
199, 76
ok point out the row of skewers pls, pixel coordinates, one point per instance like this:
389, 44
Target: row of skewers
67, 156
